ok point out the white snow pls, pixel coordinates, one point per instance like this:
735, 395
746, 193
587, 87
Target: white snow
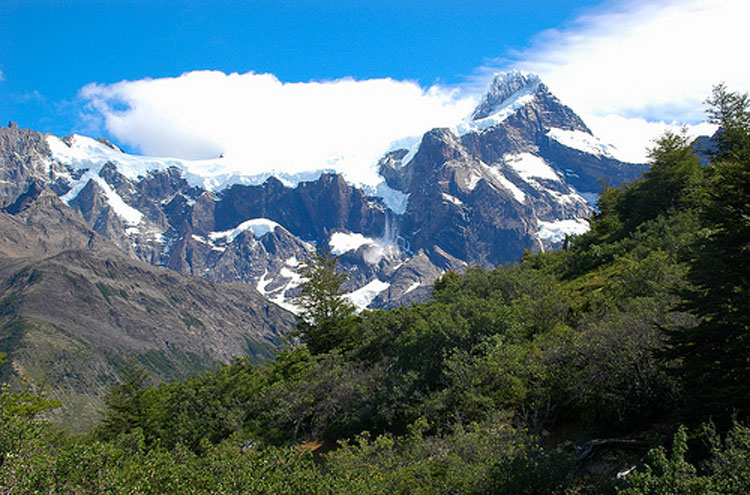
393, 199
379, 250
214, 174
295, 279
412, 287
263, 283
529, 166
278, 296
411, 144
258, 226
581, 141
472, 181
85, 153
292, 261
567, 199
88, 154
452, 199
501, 113
343, 242
556, 231
127, 213
362, 297
376, 249
506, 184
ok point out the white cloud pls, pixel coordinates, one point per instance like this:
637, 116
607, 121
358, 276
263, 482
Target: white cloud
654, 62
633, 137
267, 125
631, 69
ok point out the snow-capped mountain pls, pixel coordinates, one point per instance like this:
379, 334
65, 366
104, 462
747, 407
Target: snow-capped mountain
520, 172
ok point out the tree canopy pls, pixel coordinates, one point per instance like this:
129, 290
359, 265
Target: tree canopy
327, 316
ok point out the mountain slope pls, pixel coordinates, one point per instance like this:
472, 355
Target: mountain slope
74, 309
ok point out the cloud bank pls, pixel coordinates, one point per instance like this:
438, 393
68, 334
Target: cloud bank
646, 59
263, 124
652, 62
630, 68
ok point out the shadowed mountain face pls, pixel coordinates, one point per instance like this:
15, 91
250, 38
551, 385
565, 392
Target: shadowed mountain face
518, 174
74, 309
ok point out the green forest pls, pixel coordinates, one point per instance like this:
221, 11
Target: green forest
618, 364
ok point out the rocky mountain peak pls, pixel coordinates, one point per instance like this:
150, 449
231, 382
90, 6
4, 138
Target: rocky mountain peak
106, 142
480, 192
506, 88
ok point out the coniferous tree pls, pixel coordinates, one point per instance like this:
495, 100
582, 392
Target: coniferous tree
130, 404
327, 316
673, 181
715, 354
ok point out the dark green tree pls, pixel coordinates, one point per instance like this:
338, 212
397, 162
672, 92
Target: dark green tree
673, 181
731, 111
327, 317
131, 404
715, 354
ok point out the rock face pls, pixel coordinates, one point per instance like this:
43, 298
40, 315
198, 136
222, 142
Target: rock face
512, 176
25, 160
485, 193
504, 89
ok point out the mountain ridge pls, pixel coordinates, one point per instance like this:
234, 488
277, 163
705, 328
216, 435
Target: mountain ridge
519, 173
74, 308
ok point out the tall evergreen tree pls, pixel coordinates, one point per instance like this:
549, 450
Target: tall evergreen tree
715, 354
327, 316
131, 404
672, 181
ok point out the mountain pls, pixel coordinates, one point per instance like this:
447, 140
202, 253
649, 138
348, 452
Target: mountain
521, 172
74, 308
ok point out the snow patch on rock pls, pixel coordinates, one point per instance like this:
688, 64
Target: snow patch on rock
530, 167
376, 249
412, 287
557, 230
258, 226
581, 141
452, 199
363, 297
127, 213
503, 182
343, 242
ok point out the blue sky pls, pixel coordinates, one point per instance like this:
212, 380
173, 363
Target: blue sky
51, 49
94, 66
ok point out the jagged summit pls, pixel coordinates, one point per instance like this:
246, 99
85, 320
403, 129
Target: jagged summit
506, 88
516, 177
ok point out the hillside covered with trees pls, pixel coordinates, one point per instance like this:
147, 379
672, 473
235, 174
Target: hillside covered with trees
619, 364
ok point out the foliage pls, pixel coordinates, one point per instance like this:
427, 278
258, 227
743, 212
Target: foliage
131, 404
486, 388
727, 471
491, 458
713, 354
327, 317
24, 456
